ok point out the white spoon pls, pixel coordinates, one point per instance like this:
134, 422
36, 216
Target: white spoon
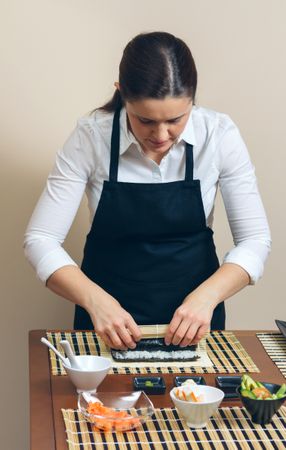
48, 344
70, 354
90, 397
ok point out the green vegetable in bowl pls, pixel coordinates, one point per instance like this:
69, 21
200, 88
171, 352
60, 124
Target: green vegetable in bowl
256, 390
281, 391
247, 393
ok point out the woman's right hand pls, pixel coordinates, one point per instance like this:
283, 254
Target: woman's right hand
114, 324
111, 322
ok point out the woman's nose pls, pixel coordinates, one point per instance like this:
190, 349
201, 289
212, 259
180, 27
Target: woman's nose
160, 133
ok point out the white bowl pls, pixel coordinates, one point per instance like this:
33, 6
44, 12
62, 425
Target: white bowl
94, 370
197, 414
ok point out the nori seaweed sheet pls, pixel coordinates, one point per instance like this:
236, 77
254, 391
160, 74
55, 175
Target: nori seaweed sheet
152, 345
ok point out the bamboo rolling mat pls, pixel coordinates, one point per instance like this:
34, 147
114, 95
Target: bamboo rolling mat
275, 346
223, 348
229, 428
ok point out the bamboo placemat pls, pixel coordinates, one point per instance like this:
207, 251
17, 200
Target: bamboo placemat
275, 346
223, 348
229, 428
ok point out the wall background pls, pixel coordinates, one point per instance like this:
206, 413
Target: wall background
59, 59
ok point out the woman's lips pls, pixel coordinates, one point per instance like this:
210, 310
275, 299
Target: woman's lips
158, 144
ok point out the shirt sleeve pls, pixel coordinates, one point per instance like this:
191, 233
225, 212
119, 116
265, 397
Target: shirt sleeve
244, 208
57, 206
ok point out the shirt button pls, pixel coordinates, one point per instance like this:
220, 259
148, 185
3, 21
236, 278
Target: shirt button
157, 176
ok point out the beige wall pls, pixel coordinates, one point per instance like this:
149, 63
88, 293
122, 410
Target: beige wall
59, 60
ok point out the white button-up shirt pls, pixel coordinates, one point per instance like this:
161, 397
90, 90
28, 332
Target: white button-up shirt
220, 159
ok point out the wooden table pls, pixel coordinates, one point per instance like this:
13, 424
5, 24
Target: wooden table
48, 394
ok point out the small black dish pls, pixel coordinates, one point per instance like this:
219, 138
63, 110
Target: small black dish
229, 385
282, 326
262, 411
197, 380
150, 385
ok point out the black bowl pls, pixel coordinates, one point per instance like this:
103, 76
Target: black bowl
282, 326
262, 411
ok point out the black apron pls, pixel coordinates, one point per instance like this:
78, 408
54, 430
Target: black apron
149, 245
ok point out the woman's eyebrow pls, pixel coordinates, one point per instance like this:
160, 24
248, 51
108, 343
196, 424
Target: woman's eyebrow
167, 120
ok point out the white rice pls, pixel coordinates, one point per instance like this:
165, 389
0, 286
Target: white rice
162, 355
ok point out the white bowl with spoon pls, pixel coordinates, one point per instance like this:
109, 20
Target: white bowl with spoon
86, 372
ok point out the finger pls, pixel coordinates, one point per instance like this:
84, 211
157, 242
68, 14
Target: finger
134, 330
126, 337
190, 334
106, 340
180, 332
202, 331
115, 340
172, 328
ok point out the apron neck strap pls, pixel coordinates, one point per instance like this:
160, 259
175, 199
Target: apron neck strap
115, 146
189, 162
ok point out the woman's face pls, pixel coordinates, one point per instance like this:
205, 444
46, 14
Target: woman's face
156, 124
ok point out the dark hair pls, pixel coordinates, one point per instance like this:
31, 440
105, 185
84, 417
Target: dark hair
154, 65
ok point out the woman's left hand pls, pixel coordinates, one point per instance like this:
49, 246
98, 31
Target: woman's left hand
191, 321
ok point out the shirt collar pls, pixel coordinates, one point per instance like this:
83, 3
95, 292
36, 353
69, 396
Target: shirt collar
188, 134
127, 138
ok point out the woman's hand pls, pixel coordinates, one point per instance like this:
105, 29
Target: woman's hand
114, 324
191, 321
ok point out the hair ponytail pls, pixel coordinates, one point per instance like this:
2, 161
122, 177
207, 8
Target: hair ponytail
114, 103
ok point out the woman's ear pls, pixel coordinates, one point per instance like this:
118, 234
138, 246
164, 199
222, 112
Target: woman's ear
117, 85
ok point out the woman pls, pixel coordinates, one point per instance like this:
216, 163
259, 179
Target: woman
150, 162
